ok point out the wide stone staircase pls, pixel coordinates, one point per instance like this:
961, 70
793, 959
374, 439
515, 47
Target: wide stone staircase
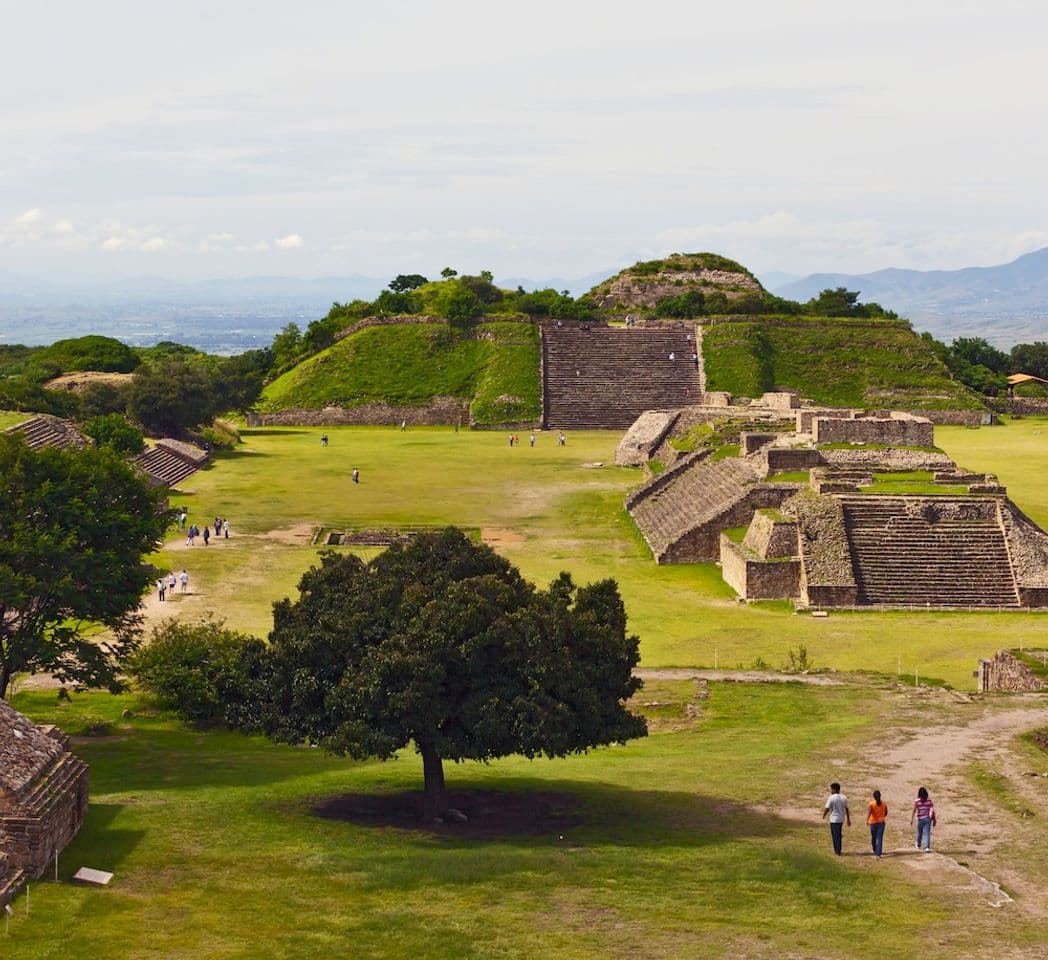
691, 495
48, 431
950, 553
606, 377
170, 462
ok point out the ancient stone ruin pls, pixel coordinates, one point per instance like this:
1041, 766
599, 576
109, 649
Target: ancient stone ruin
169, 462
1005, 673
600, 377
836, 508
43, 798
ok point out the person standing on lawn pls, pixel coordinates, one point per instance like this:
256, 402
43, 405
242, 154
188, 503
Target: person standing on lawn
875, 817
836, 807
924, 812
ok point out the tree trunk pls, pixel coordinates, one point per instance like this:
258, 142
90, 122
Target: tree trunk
435, 801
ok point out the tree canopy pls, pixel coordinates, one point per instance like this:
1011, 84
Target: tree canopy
74, 527
443, 644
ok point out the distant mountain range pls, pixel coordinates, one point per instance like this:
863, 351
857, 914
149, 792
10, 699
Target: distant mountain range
1006, 304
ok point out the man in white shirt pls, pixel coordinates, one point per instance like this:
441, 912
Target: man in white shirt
837, 809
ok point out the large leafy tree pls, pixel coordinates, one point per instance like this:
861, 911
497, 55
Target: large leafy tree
74, 527
169, 397
443, 644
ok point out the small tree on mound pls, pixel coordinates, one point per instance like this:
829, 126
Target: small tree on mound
443, 644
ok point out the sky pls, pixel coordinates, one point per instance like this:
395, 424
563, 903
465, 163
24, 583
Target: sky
199, 140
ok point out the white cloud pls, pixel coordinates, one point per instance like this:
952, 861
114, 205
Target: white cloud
219, 237
153, 244
291, 242
30, 216
64, 227
114, 242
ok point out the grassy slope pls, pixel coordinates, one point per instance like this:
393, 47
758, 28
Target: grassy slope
411, 364
857, 363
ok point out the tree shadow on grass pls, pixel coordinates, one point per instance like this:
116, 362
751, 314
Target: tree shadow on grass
273, 432
99, 844
561, 811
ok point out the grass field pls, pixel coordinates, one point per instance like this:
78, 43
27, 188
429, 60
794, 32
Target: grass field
548, 511
703, 839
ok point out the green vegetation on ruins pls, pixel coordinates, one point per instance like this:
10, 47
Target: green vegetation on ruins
495, 366
841, 363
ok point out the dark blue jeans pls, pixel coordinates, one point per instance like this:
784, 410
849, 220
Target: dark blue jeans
836, 831
877, 837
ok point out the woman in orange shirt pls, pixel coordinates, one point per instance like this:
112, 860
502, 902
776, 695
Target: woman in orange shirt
875, 818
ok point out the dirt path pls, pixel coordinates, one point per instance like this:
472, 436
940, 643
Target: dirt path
969, 827
738, 676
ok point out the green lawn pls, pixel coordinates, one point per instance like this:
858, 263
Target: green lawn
218, 853
548, 512
702, 840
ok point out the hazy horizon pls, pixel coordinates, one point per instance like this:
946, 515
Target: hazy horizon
259, 139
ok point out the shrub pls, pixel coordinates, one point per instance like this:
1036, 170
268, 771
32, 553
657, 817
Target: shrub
198, 669
221, 434
683, 305
112, 430
459, 305
88, 353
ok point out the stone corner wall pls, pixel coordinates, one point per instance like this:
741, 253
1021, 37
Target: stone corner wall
1006, 674
755, 579
441, 411
916, 432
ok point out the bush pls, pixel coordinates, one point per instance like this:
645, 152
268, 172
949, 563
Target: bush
221, 435
198, 669
112, 430
98, 399
684, 305
20, 393
167, 397
88, 353
459, 305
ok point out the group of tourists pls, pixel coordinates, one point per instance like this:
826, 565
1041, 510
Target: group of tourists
168, 584
221, 528
836, 809
514, 440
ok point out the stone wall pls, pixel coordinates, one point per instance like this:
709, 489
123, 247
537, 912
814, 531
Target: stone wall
1006, 674
442, 411
1028, 406
892, 459
959, 418
780, 400
703, 542
755, 579
770, 538
807, 414
916, 432
782, 459
750, 443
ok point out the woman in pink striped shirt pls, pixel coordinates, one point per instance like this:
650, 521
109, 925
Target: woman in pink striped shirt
924, 813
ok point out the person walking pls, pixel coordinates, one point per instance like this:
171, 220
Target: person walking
531, 440
161, 588
182, 517
207, 534
924, 813
875, 817
183, 578
225, 528
561, 439
323, 439
836, 807
356, 475
171, 581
